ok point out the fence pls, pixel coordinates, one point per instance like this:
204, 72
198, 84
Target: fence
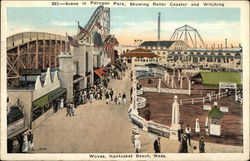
166, 90
211, 96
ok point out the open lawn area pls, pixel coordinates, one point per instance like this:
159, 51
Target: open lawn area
213, 78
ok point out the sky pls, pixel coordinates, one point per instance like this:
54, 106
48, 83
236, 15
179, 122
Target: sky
128, 24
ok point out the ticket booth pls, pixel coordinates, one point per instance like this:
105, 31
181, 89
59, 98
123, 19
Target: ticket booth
214, 121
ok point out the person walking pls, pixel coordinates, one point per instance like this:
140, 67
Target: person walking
157, 145
116, 99
20, 142
137, 142
25, 146
101, 94
179, 131
131, 91
30, 140
197, 127
107, 97
188, 131
75, 101
61, 103
111, 94
201, 145
183, 145
91, 97
72, 112
68, 109
206, 126
119, 99
134, 131
124, 98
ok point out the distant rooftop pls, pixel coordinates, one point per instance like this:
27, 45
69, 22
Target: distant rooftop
155, 43
139, 52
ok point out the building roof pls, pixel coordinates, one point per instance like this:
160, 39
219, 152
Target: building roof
139, 52
215, 113
166, 44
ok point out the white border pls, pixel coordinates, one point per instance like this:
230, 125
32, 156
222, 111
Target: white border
244, 5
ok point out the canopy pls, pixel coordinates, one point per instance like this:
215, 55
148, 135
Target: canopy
44, 100
100, 72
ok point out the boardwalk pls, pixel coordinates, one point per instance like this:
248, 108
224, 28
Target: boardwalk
101, 128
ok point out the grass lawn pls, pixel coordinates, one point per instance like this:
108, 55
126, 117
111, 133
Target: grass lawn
213, 78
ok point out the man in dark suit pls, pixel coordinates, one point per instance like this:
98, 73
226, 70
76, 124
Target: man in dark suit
157, 145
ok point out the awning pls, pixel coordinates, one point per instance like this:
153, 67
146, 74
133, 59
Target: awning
44, 100
100, 72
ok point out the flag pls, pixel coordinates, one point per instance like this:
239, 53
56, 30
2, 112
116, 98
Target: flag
82, 30
72, 41
98, 25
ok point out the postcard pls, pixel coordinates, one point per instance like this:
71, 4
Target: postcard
124, 80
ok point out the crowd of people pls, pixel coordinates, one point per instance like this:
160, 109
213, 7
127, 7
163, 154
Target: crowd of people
99, 90
25, 141
184, 137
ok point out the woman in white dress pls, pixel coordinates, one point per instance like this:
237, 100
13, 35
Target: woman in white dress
62, 103
197, 127
25, 143
206, 126
91, 97
137, 142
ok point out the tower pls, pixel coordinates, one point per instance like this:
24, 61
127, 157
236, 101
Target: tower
66, 73
159, 29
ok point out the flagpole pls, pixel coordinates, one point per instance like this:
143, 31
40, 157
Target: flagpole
78, 30
66, 43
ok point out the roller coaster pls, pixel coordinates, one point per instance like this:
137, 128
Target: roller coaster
40, 50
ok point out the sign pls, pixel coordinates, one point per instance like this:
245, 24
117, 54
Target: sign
228, 85
215, 130
224, 109
30, 72
56, 94
207, 107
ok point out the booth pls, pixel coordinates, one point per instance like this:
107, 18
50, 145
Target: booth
214, 120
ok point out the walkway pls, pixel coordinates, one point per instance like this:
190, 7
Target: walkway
100, 128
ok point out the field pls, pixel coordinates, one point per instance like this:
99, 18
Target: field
213, 78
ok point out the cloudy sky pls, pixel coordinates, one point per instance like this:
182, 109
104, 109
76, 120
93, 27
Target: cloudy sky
128, 24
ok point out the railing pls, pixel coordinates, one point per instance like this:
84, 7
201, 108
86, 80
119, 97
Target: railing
15, 126
139, 92
158, 129
141, 102
139, 121
151, 126
211, 96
